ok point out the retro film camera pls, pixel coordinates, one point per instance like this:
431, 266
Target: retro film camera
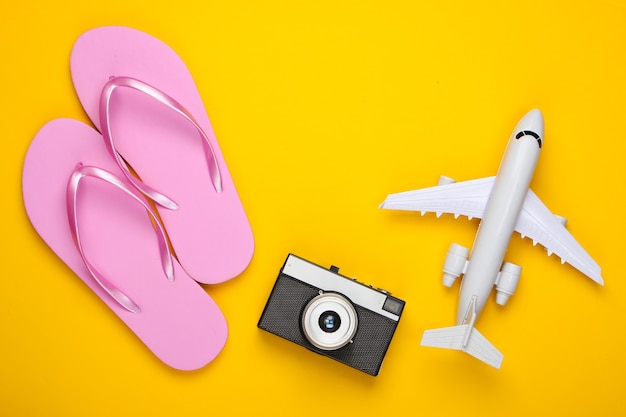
332, 315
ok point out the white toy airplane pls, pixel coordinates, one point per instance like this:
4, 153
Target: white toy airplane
505, 204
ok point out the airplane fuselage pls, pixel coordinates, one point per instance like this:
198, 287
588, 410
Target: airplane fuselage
498, 223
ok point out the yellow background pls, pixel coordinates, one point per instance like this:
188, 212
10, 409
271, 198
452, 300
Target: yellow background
322, 109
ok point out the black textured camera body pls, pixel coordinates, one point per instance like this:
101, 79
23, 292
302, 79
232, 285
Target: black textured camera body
290, 296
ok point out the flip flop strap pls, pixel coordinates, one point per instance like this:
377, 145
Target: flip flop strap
163, 98
81, 171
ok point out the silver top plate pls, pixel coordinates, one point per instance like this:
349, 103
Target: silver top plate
326, 280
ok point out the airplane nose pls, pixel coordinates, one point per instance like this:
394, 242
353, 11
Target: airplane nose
531, 122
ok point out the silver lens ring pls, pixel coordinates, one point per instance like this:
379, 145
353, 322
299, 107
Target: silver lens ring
329, 321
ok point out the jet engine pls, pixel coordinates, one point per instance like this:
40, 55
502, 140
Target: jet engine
507, 281
455, 264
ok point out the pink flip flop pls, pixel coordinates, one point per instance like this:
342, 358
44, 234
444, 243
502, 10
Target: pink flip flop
140, 95
97, 223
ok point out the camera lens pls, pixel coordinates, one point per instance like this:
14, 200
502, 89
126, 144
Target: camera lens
329, 321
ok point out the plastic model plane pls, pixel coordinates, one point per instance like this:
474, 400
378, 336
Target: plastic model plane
505, 204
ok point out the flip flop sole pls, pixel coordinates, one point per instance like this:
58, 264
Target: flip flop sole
210, 232
178, 321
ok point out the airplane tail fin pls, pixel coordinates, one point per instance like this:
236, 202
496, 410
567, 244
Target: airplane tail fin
465, 338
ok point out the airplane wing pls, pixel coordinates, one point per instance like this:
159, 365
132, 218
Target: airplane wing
480, 348
453, 337
469, 198
466, 198
539, 224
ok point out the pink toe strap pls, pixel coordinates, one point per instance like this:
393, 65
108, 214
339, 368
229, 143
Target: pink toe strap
81, 171
161, 97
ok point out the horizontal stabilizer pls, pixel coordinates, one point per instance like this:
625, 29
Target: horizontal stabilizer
465, 338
